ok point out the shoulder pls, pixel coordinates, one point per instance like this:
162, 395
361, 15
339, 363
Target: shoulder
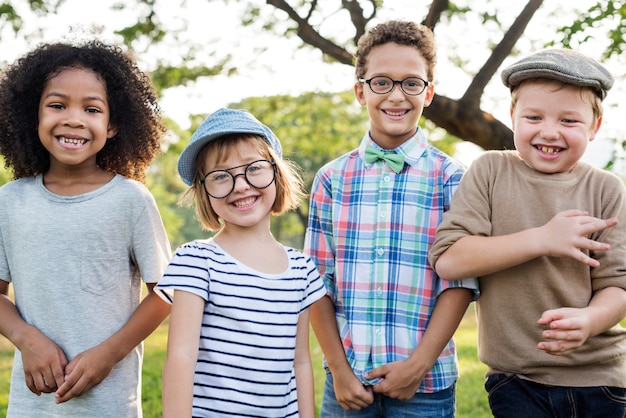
598, 179
17, 187
340, 163
497, 157
199, 246
14, 185
131, 186
295, 254
445, 162
132, 191
494, 161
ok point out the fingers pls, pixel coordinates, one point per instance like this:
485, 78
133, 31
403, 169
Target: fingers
557, 348
74, 386
34, 384
568, 330
45, 380
356, 398
359, 402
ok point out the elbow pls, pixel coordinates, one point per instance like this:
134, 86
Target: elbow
445, 268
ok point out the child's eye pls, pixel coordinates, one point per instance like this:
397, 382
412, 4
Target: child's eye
93, 110
56, 106
381, 82
569, 121
219, 176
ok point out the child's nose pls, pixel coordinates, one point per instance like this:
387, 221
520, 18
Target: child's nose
396, 93
550, 130
243, 184
74, 118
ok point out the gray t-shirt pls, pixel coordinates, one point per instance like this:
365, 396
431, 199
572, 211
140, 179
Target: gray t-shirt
76, 264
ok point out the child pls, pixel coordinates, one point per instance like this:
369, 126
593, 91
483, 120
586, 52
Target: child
241, 295
79, 124
387, 322
544, 232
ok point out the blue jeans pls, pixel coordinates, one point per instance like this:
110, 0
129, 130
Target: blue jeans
422, 405
512, 397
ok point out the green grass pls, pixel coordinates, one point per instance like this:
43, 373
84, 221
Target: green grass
471, 397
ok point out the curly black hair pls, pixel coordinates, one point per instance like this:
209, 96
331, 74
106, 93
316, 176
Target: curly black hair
133, 103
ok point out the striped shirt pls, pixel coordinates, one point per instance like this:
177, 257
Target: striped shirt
247, 344
369, 233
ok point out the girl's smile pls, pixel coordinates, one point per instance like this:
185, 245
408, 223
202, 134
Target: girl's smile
74, 118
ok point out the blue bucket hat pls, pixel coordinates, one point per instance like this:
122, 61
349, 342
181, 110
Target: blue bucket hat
222, 122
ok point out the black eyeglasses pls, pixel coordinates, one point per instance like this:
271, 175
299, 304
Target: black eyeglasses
220, 183
412, 86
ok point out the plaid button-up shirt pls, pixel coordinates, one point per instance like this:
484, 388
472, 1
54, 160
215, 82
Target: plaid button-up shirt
369, 233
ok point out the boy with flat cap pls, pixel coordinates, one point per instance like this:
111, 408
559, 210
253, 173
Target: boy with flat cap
545, 235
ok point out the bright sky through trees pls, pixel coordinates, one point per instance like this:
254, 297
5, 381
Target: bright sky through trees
282, 68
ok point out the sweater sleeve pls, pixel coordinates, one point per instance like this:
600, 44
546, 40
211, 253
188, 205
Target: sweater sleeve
612, 204
470, 208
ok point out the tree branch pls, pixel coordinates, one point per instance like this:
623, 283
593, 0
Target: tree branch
357, 16
310, 36
436, 9
474, 92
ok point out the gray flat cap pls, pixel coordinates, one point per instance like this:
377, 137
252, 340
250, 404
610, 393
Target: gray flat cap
565, 65
222, 122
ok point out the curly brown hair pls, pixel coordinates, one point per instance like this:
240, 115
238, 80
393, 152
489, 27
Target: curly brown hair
133, 103
402, 33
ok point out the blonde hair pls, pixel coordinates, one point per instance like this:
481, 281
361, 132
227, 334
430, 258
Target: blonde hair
587, 94
289, 184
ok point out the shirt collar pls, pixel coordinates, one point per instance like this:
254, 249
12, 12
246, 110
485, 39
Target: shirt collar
412, 149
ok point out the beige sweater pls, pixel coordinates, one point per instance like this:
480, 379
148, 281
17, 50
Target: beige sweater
500, 195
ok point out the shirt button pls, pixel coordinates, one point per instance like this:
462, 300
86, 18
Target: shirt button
379, 290
380, 251
386, 179
383, 214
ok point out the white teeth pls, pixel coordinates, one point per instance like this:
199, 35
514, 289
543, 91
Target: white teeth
394, 113
244, 203
72, 141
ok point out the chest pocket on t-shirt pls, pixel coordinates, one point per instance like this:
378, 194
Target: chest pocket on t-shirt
99, 273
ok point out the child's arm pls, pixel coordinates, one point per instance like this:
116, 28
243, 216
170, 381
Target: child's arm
569, 328
349, 391
182, 354
44, 361
401, 379
90, 367
303, 369
565, 235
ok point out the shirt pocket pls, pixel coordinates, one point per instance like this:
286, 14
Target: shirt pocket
100, 273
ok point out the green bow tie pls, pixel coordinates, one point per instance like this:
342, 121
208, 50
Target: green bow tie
394, 160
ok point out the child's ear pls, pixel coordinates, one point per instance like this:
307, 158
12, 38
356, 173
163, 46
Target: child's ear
358, 92
429, 94
111, 131
596, 129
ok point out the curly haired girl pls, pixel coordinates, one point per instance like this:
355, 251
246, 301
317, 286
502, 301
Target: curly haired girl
79, 125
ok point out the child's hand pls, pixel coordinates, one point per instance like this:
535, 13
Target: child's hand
44, 363
398, 380
567, 233
85, 371
351, 393
569, 328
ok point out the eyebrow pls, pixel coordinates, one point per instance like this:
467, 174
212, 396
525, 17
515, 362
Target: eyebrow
65, 96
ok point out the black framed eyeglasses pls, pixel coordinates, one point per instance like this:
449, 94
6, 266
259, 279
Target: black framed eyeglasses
220, 183
412, 86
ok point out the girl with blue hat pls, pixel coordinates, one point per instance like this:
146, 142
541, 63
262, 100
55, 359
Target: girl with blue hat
239, 328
